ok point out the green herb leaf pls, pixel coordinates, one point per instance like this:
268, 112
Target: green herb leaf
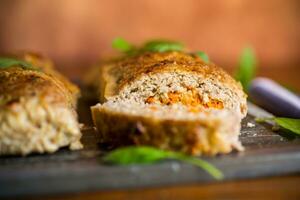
146, 155
209, 168
9, 62
247, 67
203, 56
153, 45
162, 46
289, 124
132, 155
122, 45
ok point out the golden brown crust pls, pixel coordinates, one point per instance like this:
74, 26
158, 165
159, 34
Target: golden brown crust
46, 83
116, 74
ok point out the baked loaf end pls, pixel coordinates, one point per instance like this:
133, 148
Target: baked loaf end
37, 110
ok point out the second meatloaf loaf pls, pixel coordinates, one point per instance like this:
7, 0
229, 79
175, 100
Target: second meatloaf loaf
37, 108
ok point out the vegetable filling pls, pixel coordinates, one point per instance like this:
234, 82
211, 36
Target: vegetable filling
190, 98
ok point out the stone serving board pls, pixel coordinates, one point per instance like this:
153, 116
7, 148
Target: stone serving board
266, 154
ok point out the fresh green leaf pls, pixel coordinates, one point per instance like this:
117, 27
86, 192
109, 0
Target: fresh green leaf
9, 62
135, 155
146, 155
209, 168
122, 45
153, 45
203, 56
162, 46
289, 124
247, 67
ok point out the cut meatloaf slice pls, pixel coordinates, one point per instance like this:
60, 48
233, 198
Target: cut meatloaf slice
37, 109
171, 82
168, 127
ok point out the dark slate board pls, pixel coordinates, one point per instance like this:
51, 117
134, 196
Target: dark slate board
266, 154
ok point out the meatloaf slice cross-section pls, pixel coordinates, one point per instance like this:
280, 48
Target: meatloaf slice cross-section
172, 100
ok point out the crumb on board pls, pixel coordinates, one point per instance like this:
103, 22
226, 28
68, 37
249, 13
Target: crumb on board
175, 167
250, 125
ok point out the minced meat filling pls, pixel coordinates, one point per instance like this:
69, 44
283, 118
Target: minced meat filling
190, 98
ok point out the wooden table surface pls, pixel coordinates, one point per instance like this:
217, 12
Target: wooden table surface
283, 187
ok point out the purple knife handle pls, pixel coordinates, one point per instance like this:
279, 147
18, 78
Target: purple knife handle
274, 98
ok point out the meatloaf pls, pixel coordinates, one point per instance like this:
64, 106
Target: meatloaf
37, 108
172, 100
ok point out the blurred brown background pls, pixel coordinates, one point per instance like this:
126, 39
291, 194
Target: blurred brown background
76, 33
